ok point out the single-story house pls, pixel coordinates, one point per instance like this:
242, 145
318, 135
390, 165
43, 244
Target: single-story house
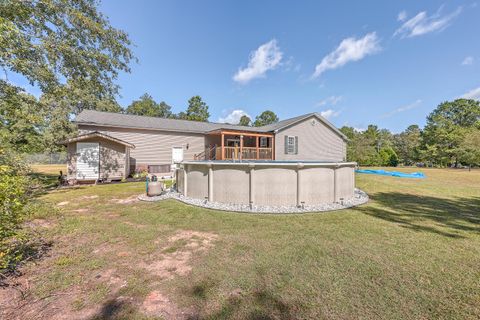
111, 145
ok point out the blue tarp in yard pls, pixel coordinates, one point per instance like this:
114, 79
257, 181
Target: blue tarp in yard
418, 175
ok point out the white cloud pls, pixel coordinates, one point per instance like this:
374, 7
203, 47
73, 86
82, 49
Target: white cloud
467, 61
267, 57
233, 117
329, 113
359, 129
403, 108
350, 49
423, 24
472, 94
402, 15
332, 100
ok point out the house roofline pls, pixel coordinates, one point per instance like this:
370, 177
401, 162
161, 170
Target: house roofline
220, 127
94, 134
96, 124
319, 117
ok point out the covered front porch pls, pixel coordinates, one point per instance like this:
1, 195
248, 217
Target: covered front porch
238, 145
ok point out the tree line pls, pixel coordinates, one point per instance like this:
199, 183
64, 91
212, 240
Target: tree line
451, 137
197, 110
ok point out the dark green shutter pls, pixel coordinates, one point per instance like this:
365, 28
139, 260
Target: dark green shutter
296, 144
286, 144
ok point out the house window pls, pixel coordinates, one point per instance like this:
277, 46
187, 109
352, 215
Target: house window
263, 142
291, 144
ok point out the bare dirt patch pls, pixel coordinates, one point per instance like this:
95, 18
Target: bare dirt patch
81, 210
175, 260
136, 225
172, 258
108, 248
17, 301
89, 197
123, 254
114, 281
157, 304
112, 215
131, 199
63, 203
176, 255
39, 223
171, 264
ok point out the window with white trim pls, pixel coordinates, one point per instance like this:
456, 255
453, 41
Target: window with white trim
290, 145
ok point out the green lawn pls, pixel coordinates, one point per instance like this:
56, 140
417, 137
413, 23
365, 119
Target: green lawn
50, 169
412, 252
48, 174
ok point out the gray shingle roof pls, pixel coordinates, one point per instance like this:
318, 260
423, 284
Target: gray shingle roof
132, 121
91, 117
96, 134
288, 122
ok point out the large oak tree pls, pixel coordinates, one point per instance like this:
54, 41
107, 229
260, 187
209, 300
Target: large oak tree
68, 50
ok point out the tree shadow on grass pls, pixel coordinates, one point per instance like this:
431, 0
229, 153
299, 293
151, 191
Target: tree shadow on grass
259, 304
22, 248
453, 218
46, 180
116, 308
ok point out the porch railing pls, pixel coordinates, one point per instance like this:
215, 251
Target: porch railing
207, 154
233, 153
247, 153
265, 153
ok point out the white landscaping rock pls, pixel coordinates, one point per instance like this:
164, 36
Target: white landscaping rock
359, 198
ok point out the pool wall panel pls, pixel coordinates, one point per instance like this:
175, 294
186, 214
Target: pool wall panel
316, 185
275, 186
197, 181
231, 185
345, 183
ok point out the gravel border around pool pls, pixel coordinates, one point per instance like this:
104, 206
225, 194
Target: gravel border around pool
359, 198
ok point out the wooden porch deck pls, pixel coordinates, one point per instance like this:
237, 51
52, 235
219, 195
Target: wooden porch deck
239, 151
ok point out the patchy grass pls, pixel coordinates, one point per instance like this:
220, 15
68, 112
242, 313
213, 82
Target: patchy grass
412, 252
47, 174
49, 169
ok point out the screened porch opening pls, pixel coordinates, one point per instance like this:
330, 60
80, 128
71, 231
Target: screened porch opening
238, 145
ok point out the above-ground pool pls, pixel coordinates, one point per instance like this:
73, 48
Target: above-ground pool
274, 183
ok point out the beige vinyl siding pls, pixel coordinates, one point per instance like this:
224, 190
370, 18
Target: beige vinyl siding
316, 142
153, 147
113, 162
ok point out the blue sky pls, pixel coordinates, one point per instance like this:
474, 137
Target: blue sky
358, 62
